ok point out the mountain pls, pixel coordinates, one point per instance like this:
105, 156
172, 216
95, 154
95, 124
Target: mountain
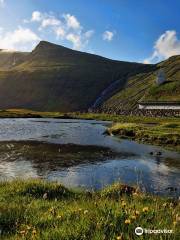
55, 78
8, 59
143, 87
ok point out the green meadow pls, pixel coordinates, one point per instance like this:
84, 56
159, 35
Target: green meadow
36, 209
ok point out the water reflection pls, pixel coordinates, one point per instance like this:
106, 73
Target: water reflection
83, 165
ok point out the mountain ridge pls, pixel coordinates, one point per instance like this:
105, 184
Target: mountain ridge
56, 78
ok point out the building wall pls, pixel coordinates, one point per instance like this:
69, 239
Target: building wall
151, 107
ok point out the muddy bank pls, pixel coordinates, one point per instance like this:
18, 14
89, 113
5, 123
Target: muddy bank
61, 155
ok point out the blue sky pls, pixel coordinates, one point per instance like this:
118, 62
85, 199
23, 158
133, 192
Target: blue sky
129, 30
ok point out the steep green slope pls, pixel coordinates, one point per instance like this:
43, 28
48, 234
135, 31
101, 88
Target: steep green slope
143, 87
170, 91
55, 78
10, 59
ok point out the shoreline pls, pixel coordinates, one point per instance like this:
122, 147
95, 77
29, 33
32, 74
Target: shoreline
159, 135
164, 132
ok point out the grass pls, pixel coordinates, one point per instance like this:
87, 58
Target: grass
169, 90
35, 209
165, 134
143, 86
158, 131
27, 113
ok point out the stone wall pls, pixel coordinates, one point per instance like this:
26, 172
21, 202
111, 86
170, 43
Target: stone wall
143, 112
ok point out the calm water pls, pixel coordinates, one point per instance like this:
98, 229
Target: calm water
130, 162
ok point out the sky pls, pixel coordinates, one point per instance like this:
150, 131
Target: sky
128, 30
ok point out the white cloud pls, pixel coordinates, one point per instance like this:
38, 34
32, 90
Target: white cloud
2, 3
75, 39
60, 32
72, 21
65, 27
79, 41
51, 21
23, 39
166, 46
36, 16
108, 36
89, 33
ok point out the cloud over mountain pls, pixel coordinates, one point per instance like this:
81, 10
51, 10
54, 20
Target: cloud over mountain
65, 27
166, 46
19, 39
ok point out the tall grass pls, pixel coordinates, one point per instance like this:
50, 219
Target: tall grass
35, 209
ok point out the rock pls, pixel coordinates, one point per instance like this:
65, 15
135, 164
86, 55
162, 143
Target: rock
158, 153
171, 189
45, 196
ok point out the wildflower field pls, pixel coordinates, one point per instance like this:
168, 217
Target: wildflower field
36, 209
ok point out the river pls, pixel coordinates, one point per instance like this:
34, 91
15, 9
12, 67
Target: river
78, 154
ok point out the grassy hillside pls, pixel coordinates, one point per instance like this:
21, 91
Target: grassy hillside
170, 91
143, 87
10, 59
55, 78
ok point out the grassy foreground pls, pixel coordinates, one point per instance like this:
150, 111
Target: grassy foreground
36, 209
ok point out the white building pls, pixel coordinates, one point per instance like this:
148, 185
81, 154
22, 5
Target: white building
159, 105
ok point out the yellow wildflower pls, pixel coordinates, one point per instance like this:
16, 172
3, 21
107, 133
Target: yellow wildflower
137, 213
123, 204
145, 209
133, 217
98, 225
174, 223
119, 237
171, 205
34, 231
135, 194
28, 227
127, 221
86, 211
177, 218
22, 232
